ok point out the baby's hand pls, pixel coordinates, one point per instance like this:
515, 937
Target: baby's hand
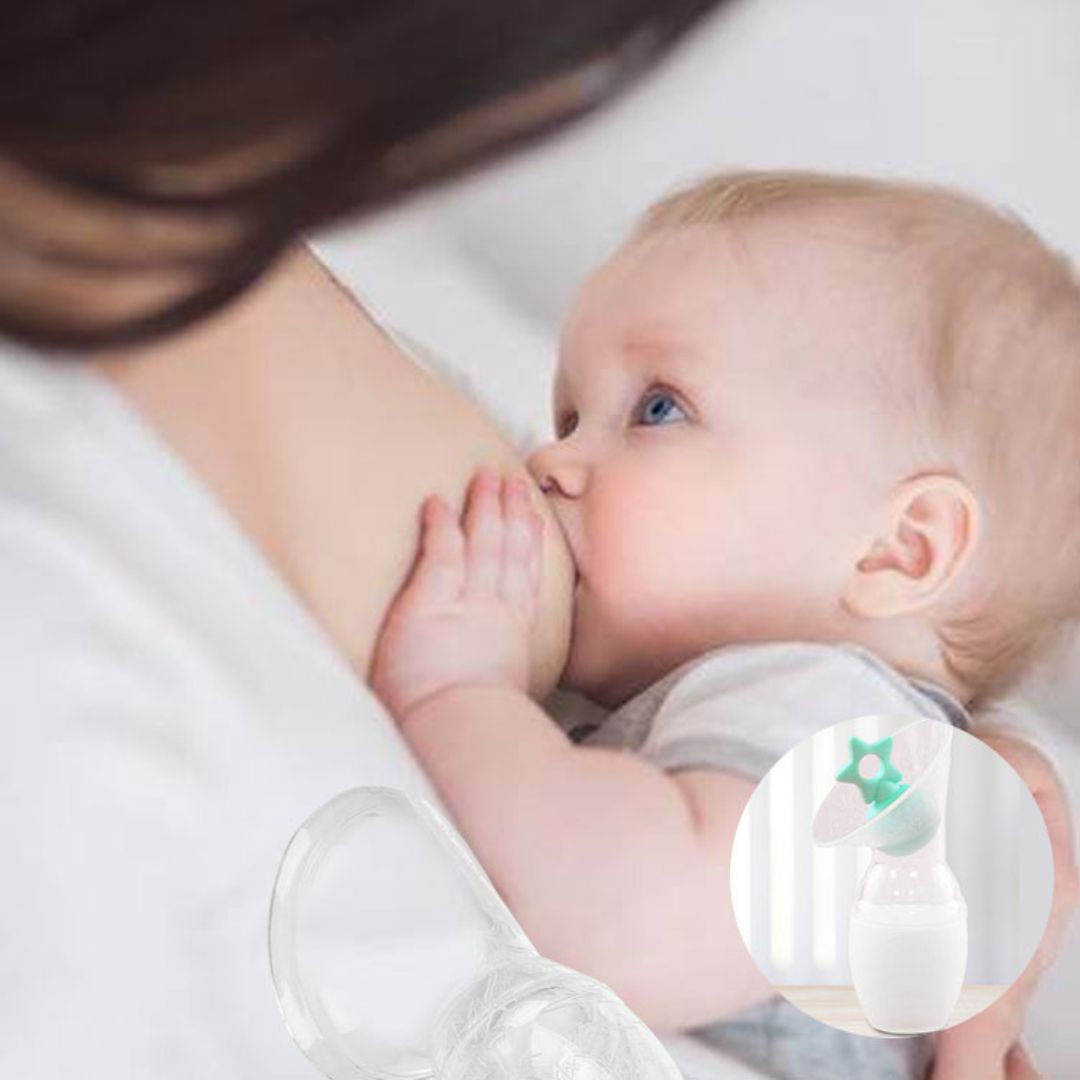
465, 613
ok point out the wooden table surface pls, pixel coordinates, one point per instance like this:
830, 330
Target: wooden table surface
838, 1006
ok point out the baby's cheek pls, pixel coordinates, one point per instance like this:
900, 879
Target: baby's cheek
677, 575
641, 581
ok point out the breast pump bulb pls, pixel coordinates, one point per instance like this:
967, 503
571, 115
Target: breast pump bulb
907, 940
394, 958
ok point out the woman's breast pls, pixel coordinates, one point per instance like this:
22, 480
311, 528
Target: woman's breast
431, 440
321, 438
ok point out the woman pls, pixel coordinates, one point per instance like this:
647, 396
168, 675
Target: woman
209, 483
210, 464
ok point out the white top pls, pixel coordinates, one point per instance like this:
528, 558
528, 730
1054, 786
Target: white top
171, 715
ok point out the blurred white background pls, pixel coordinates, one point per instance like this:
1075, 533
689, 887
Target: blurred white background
979, 93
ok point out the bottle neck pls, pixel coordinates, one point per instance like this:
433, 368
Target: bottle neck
923, 877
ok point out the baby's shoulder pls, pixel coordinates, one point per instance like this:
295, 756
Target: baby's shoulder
825, 671
744, 706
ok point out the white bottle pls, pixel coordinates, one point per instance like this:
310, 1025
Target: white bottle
907, 963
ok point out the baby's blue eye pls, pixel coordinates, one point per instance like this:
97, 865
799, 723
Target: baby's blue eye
655, 407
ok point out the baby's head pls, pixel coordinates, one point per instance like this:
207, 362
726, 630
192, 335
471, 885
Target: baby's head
802, 407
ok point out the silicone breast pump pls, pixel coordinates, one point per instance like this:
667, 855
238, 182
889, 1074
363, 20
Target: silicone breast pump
394, 958
907, 939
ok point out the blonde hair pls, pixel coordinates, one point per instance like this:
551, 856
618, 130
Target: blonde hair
999, 338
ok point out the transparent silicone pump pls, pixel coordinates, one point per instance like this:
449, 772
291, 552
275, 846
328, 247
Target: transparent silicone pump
908, 926
394, 958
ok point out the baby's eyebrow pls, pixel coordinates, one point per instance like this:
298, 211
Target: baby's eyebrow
687, 366
669, 347
682, 361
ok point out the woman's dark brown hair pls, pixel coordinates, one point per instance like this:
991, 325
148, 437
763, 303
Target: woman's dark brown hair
359, 101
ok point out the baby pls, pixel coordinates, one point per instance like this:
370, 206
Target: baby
816, 457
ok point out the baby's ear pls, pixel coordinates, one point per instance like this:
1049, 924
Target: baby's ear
929, 530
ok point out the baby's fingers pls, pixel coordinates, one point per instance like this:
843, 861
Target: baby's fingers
521, 543
440, 568
484, 535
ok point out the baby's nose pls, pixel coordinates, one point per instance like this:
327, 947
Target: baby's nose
556, 471
537, 464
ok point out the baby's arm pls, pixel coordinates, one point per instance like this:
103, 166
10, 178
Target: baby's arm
612, 866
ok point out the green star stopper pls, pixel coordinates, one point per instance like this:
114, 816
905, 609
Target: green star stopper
881, 789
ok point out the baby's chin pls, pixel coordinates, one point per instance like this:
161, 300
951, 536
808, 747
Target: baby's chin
605, 666
609, 670
598, 678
